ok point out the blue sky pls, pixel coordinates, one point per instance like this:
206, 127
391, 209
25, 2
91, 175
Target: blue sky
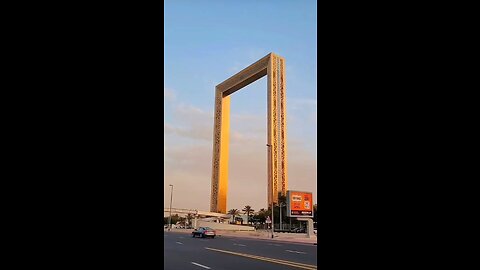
206, 42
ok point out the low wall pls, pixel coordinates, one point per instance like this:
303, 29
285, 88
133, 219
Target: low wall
223, 226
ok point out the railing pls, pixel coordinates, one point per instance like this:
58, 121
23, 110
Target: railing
180, 210
286, 227
194, 212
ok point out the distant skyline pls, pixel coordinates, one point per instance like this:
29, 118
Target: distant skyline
207, 42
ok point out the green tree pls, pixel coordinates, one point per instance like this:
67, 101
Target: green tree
261, 215
282, 200
189, 217
181, 220
175, 219
247, 210
234, 213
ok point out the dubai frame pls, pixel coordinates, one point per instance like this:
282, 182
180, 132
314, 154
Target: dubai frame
273, 66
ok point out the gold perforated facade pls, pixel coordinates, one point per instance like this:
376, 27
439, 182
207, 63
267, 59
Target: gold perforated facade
272, 66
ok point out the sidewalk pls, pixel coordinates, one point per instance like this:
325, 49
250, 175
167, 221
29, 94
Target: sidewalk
267, 235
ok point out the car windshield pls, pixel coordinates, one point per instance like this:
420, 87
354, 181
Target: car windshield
208, 229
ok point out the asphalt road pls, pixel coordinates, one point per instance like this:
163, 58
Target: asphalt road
181, 251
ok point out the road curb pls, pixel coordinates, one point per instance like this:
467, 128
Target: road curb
258, 237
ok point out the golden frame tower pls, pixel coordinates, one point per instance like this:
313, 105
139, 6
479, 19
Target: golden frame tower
273, 66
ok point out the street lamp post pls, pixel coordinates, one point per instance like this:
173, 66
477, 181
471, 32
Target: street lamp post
269, 180
170, 218
281, 205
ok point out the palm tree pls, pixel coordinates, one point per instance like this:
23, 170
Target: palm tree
234, 213
247, 210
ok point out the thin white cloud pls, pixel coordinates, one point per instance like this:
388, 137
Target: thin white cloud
169, 94
246, 117
188, 114
304, 109
196, 132
301, 103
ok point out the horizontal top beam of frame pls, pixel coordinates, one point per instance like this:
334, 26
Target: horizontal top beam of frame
245, 77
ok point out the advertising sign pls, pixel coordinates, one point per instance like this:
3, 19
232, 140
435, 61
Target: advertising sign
299, 204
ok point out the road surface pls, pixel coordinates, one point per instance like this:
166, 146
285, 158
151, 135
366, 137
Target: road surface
181, 251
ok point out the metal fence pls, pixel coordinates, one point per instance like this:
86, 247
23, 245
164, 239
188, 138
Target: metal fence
284, 227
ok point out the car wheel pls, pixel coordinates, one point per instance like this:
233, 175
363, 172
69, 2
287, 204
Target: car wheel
193, 235
203, 235
213, 236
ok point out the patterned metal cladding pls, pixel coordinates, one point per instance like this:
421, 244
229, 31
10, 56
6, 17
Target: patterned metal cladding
216, 151
274, 126
274, 68
283, 128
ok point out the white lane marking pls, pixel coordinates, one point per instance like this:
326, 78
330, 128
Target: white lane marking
275, 245
197, 264
242, 245
293, 251
180, 243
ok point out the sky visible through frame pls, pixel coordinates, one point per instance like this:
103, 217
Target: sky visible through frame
207, 42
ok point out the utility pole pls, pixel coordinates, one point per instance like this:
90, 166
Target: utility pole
170, 218
269, 180
281, 205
